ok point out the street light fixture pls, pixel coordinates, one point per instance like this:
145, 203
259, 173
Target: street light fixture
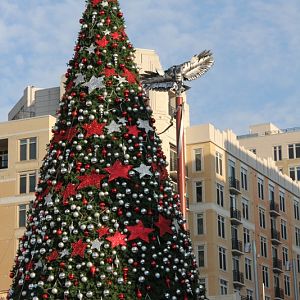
173, 80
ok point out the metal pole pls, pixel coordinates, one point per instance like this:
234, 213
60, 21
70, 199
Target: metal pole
255, 270
295, 280
180, 155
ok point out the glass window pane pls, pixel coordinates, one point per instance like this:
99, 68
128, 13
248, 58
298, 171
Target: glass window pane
23, 149
23, 184
297, 150
32, 182
291, 151
198, 162
22, 215
199, 191
292, 173
32, 148
200, 223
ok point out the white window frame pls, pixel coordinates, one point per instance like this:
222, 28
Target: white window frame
219, 163
221, 226
282, 200
203, 227
283, 229
222, 258
296, 171
197, 151
277, 152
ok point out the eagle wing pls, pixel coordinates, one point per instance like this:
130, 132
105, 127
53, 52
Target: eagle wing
197, 66
158, 80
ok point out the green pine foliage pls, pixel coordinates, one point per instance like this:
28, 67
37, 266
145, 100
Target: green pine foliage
106, 223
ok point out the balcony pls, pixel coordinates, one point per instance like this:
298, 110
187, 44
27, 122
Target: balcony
275, 236
235, 216
234, 185
274, 209
238, 278
278, 293
237, 247
277, 265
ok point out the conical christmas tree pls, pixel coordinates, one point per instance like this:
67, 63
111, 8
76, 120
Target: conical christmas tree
105, 223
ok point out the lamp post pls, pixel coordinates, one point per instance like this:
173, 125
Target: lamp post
173, 80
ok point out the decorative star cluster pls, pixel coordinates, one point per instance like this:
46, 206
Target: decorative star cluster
105, 223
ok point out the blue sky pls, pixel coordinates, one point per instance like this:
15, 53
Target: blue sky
256, 45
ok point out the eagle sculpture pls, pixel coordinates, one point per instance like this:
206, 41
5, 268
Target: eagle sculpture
173, 78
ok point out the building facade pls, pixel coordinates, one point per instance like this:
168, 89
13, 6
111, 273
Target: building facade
23, 141
243, 218
282, 145
22, 147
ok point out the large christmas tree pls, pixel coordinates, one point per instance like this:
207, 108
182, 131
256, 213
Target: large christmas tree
106, 223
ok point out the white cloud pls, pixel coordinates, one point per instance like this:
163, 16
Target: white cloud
256, 45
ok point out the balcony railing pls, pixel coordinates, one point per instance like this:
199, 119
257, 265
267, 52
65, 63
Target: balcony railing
237, 246
279, 294
234, 185
238, 278
275, 236
235, 216
274, 209
277, 265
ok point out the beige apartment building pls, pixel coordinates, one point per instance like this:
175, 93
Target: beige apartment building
244, 219
282, 145
22, 148
23, 141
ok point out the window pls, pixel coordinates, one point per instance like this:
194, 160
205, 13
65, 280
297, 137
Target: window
199, 191
4, 159
28, 149
202, 283
271, 193
27, 183
200, 224
287, 288
296, 209
248, 271
283, 229
249, 294
282, 201
223, 287
260, 183
244, 179
298, 263
294, 151
285, 256
295, 173
221, 226
219, 164
173, 158
198, 159
265, 276
263, 246
22, 215
277, 153
297, 236
222, 258
245, 208
23, 184
201, 261
220, 194
231, 169
262, 218
247, 244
